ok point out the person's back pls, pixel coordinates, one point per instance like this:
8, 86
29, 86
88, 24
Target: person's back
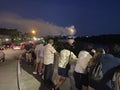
109, 65
83, 59
80, 76
65, 56
49, 52
109, 62
39, 50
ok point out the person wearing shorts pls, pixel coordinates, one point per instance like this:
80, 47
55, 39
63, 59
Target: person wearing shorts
65, 57
28, 48
39, 58
80, 75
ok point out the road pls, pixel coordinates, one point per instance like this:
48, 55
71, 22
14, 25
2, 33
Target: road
8, 71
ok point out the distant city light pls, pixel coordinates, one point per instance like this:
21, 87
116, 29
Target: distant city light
34, 38
38, 38
19, 38
6, 39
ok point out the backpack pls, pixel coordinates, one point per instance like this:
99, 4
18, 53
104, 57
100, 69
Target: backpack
95, 72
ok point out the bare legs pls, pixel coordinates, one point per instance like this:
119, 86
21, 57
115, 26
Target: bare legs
59, 81
38, 68
28, 57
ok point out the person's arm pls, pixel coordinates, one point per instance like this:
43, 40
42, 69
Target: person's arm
57, 54
92, 60
54, 51
73, 56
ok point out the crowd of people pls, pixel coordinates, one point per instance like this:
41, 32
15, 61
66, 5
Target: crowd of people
85, 61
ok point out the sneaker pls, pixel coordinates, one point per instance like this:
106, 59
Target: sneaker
34, 72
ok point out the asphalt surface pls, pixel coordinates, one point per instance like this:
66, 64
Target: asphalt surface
8, 71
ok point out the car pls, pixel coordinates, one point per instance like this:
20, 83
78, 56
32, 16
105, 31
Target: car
16, 47
6, 45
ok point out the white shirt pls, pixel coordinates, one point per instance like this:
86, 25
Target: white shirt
39, 50
82, 62
49, 52
65, 56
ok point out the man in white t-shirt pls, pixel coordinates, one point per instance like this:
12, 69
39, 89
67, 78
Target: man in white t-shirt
49, 52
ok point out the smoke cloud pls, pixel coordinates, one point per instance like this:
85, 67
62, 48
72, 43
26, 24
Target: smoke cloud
71, 30
11, 20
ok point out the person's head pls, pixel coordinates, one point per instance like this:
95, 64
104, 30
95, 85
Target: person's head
100, 50
51, 41
40, 42
70, 40
93, 51
114, 49
88, 47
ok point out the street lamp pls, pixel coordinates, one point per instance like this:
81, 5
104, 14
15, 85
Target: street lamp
33, 32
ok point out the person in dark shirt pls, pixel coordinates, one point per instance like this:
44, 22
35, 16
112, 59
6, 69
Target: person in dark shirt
110, 64
28, 48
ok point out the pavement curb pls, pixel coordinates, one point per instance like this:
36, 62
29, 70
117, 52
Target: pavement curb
18, 75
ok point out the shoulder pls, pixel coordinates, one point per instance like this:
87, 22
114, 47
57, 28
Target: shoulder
64, 51
109, 57
84, 52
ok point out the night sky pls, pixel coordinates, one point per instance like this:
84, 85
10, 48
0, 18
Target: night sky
89, 17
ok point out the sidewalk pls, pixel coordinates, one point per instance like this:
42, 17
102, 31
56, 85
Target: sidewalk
8, 76
28, 82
